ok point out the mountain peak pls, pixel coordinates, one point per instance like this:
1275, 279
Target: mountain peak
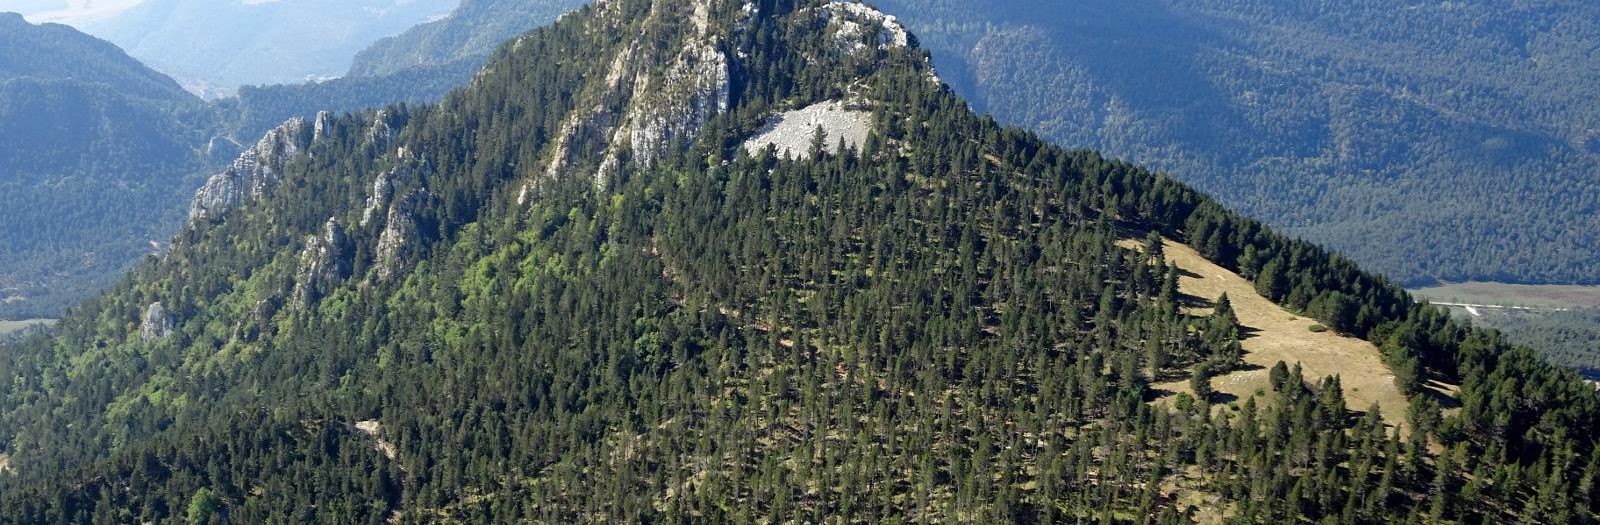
600, 285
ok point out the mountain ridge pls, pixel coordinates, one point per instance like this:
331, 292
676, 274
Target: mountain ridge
105, 59
216, 47
936, 325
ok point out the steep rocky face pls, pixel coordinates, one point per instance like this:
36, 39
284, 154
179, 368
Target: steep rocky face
639, 114
399, 238
256, 170
381, 132
323, 125
157, 323
694, 89
383, 188
259, 168
324, 262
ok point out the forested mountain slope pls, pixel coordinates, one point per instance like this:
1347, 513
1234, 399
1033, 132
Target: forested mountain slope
80, 111
569, 293
1466, 132
37, 52
470, 33
418, 66
97, 154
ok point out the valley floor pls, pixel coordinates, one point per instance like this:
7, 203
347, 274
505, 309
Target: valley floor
1519, 296
11, 327
1560, 321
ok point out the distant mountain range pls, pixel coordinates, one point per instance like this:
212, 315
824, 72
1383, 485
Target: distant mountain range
1431, 141
214, 47
470, 33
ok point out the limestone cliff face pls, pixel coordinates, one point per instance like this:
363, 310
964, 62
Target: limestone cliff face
396, 196
640, 114
382, 130
157, 324
397, 243
258, 169
383, 187
636, 115
253, 173
323, 126
853, 24
324, 263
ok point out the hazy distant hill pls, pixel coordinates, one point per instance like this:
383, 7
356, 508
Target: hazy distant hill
471, 32
1433, 140
418, 66
97, 154
217, 46
57, 52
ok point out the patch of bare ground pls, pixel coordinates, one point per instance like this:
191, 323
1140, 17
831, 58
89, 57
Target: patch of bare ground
1273, 334
10, 327
372, 428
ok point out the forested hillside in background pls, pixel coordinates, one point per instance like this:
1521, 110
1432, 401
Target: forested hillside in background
470, 33
418, 66
214, 47
1430, 141
98, 154
568, 293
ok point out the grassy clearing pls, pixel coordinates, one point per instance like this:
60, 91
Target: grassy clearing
1274, 334
11, 327
1543, 296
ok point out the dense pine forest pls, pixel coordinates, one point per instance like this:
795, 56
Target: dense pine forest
558, 296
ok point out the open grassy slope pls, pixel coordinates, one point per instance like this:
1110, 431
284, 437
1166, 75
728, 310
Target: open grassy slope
1273, 334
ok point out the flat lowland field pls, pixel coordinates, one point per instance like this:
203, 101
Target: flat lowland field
1501, 294
10, 327
1274, 334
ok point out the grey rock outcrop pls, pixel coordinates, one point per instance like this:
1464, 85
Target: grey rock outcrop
381, 133
694, 89
157, 324
256, 171
641, 114
324, 262
322, 127
399, 238
383, 189
852, 23
792, 132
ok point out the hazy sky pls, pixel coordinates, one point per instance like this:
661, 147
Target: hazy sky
71, 12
